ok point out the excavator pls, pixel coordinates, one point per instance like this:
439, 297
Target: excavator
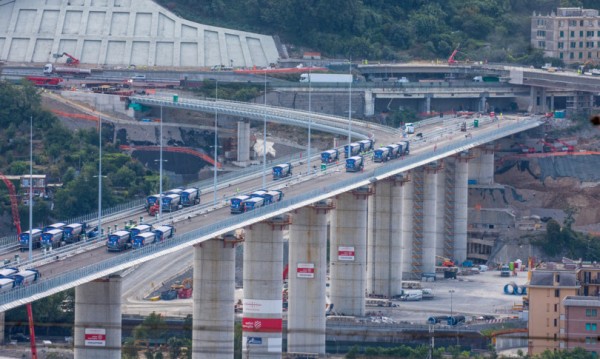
17, 221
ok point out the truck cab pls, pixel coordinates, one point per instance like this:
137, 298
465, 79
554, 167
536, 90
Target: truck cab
354, 164
190, 196
35, 237
381, 154
237, 204
281, 171
352, 149
409, 128
118, 241
52, 238
72, 232
329, 156
164, 232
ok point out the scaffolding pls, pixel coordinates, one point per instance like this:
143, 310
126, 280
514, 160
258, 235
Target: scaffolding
417, 245
449, 210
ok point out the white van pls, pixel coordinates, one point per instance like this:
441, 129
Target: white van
138, 77
412, 295
409, 128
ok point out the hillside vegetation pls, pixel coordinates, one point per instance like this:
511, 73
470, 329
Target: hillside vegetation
493, 30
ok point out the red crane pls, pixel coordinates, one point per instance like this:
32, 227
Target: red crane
12, 194
451, 60
71, 60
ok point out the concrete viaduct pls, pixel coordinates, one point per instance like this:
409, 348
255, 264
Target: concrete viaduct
386, 223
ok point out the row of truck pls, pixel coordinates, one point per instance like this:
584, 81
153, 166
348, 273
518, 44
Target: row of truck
248, 202
13, 277
54, 236
173, 200
138, 237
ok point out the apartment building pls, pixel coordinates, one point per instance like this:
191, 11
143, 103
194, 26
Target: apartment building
570, 34
581, 325
547, 289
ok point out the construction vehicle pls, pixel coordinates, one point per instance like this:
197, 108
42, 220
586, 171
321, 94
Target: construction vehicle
352, 149
366, 145
445, 262
566, 147
548, 147
72, 232
355, 164
50, 69
281, 171
394, 150
404, 148
463, 127
381, 154
171, 202
163, 232
330, 156
52, 238
45, 81
190, 196
71, 60
118, 241
35, 237
236, 205
451, 60
12, 194
144, 239
252, 203
185, 290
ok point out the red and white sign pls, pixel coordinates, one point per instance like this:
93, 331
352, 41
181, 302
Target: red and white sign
346, 253
95, 337
305, 270
262, 306
262, 325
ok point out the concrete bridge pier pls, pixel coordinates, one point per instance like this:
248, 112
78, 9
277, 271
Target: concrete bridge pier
369, 103
384, 240
97, 332
430, 186
483, 105
243, 145
428, 103
307, 279
348, 252
460, 208
263, 282
441, 241
213, 298
406, 235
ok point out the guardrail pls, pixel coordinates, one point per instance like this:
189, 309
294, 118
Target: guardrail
130, 258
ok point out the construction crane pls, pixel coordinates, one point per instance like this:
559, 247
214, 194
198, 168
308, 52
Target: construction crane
445, 262
71, 60
12, 194
451, 60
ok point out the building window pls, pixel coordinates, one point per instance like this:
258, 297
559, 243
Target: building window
556, 305
572, 23
581, 33
562, 33
572, 33
598, 34
580, 22
557, 293
560, 24
581, 44
589, 55
589, 33
542, 44
561, 56
591, 312
581, 55
555, 323
561, 45
590, 327
571, 55
573, 44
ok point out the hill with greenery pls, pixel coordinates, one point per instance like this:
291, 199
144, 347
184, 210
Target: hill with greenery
493, 30
66, 157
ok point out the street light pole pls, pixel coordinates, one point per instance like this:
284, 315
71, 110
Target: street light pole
350, 107
264, 184
30, 187
160, 167
215, 158
309, 117
99, 177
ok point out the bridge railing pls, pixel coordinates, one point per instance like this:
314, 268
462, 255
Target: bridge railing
78, 276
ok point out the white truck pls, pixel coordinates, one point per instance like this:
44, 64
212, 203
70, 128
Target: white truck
326, 78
